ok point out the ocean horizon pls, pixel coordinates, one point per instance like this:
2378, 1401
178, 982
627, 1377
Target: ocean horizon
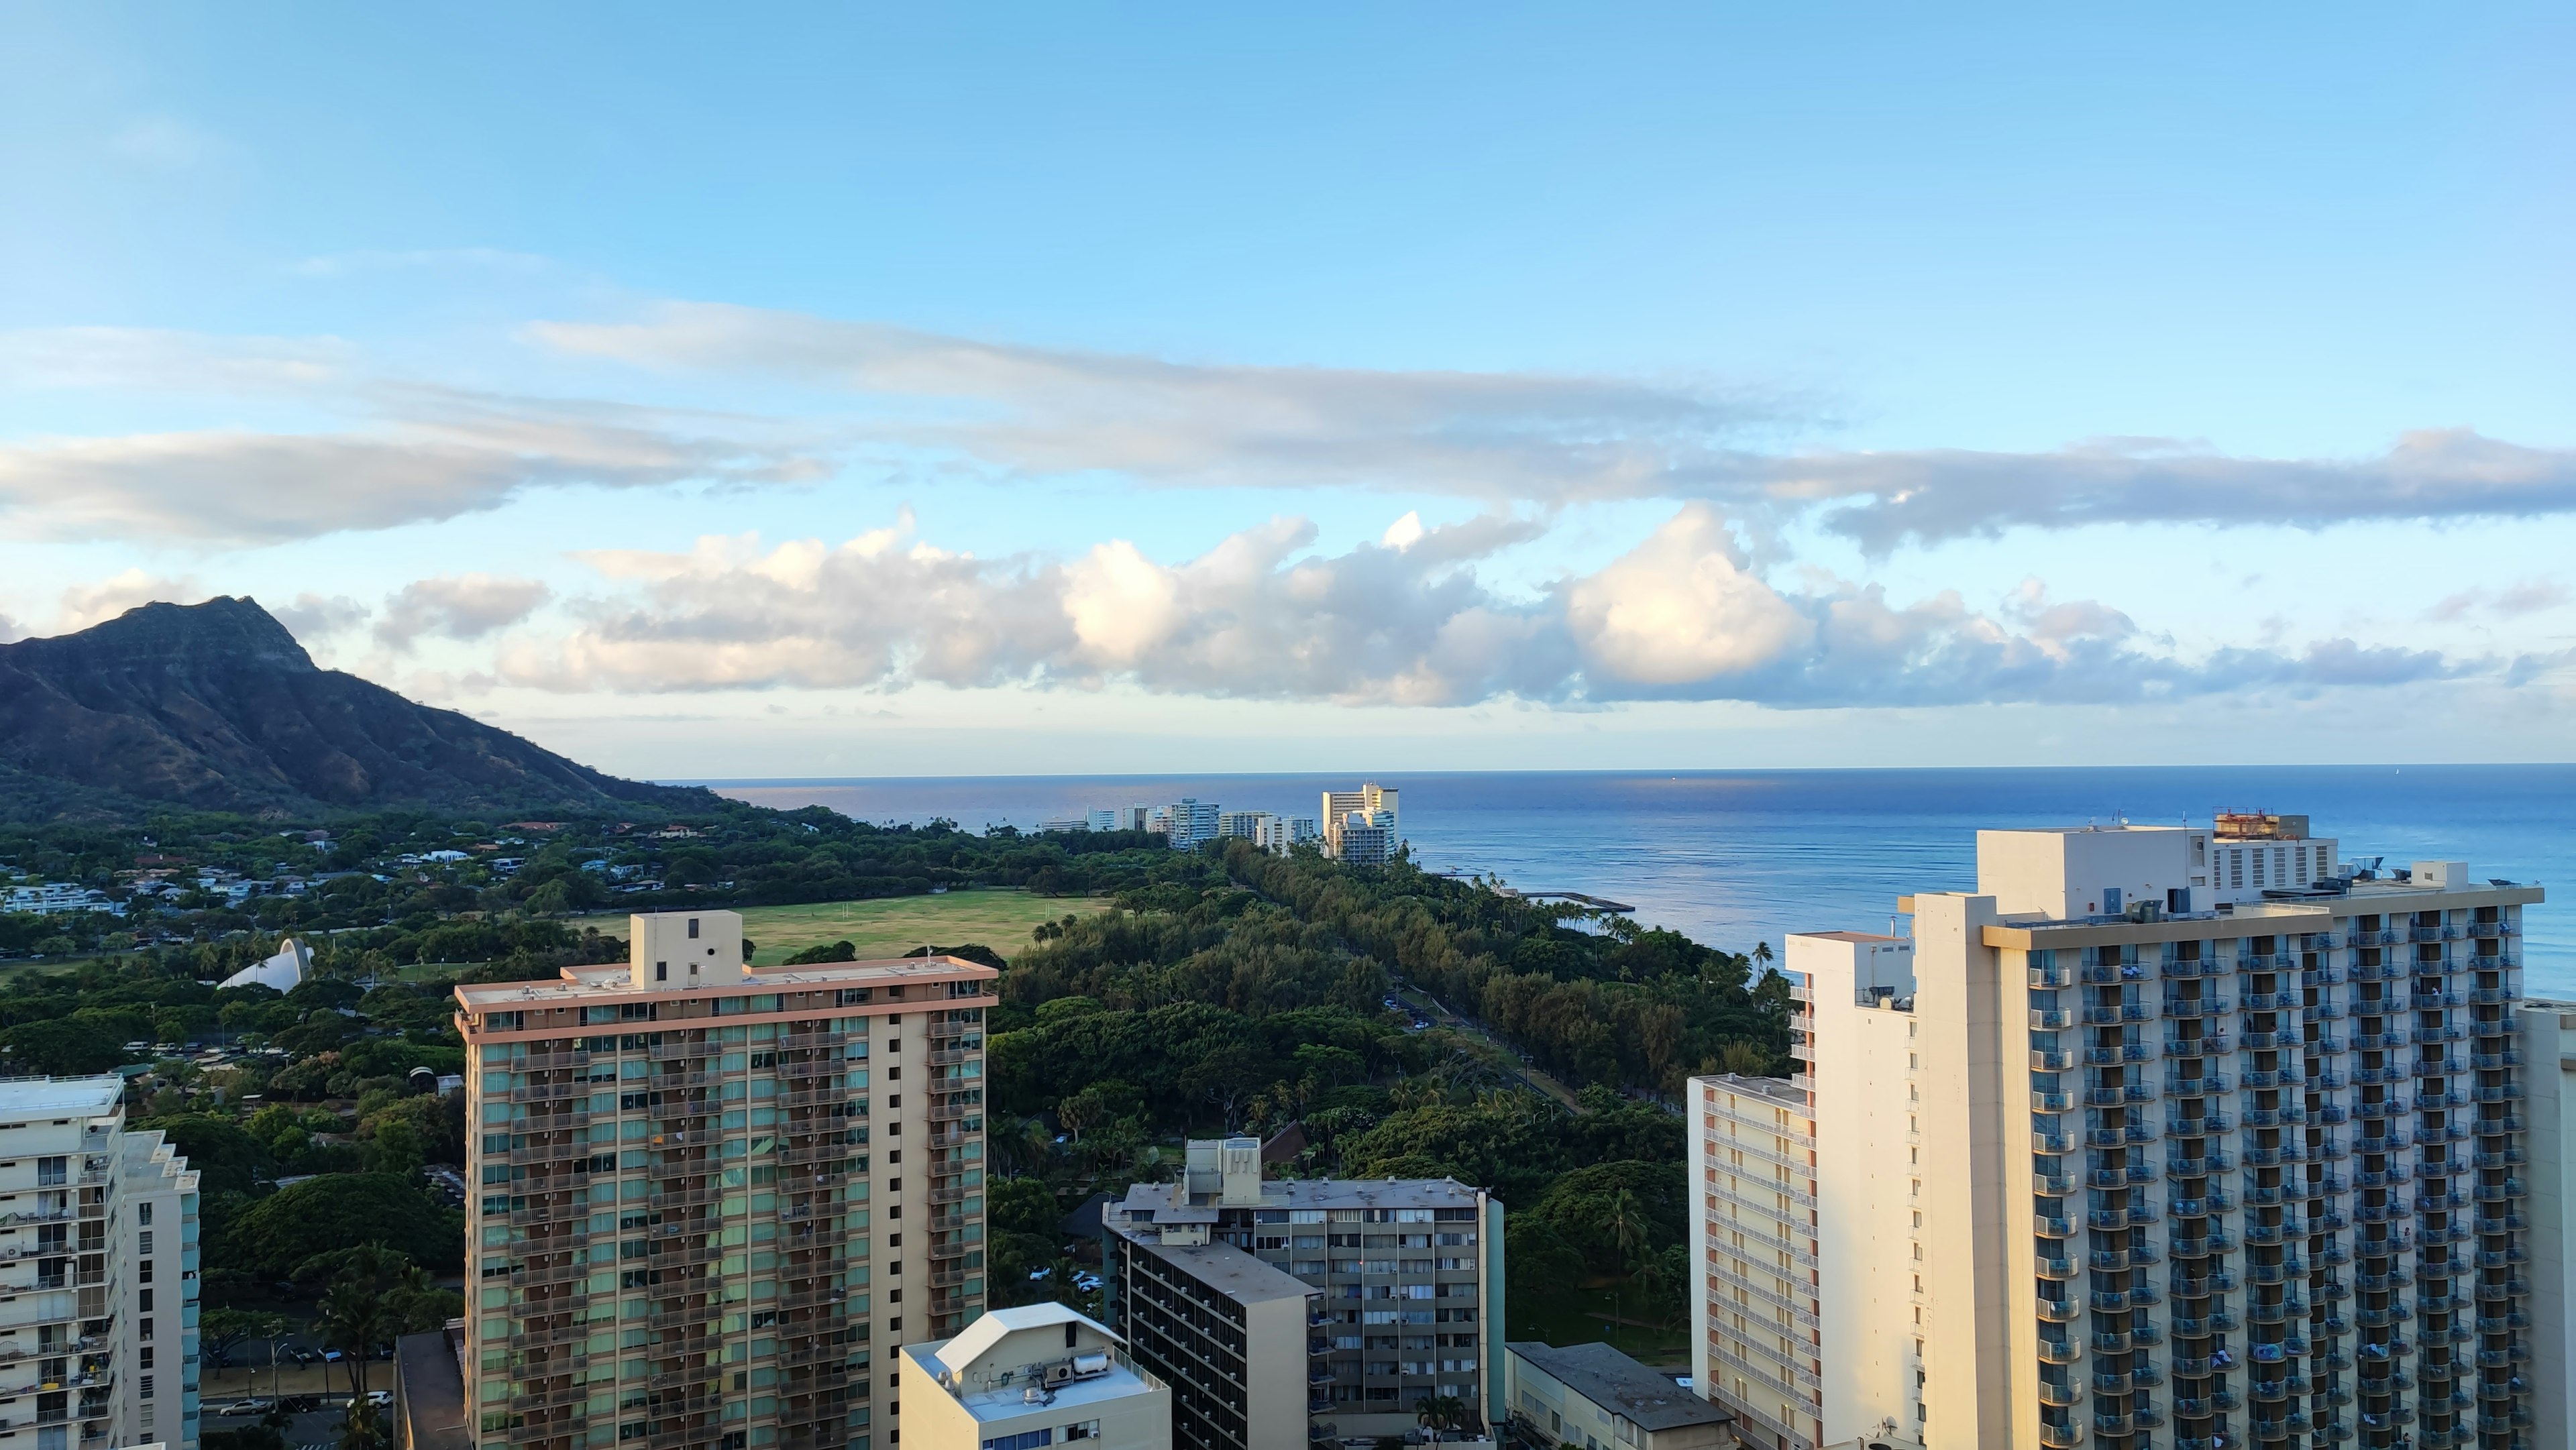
1736, 857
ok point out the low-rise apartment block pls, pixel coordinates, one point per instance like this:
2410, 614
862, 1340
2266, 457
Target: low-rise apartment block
1592, 1397
710, 1200
1032, 1377
98, 1272
1402, 1297
2093, 1165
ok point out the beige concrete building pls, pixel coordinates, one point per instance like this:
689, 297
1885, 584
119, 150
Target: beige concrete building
1592, 1397
2093, 1165
98, 1272
1031, 1377
1362, 826
710, 1200
1759, 1351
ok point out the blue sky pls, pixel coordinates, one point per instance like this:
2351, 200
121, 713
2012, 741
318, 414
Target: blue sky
1040, 390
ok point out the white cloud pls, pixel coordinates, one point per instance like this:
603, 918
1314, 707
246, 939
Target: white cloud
2530, 596
313, 617
1054, 410
1680, 609
416, 452
1682, 616
419, 450
464, 606
83, 605
1549, 439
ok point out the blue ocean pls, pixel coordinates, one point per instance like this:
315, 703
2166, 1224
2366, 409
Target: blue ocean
1736, 857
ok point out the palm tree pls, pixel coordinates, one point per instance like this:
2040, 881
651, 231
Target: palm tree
1627, 1225
1762, 952
378, 1295
1439, 1412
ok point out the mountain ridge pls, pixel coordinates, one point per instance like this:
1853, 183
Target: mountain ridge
217, 707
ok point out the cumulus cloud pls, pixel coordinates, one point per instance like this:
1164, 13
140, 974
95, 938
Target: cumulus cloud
1681, 610
1683, 615
314, 616
464, 606
83, 605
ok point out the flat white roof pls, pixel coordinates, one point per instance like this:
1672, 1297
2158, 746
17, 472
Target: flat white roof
60, 1096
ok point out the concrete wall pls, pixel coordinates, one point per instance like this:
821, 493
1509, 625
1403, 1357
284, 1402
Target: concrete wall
1866, 1170
1274, 1392
1977, 1201
2061, 874
661, 951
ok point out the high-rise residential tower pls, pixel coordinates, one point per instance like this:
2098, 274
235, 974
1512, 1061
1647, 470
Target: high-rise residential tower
1362, 826
98, 1294
2096, 1164
711, 1200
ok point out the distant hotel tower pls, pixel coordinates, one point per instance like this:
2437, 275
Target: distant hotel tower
711, 1201
2169, 1138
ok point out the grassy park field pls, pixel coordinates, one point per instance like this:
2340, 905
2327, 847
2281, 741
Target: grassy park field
998, 918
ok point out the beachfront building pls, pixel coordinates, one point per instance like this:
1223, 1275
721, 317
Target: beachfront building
1592, 1397
1362, 826
1032, 1377
98, 1272
1396, 1286
2093, 1166
710, 1199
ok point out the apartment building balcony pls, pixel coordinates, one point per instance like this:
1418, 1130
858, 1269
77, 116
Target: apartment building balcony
2059, 1437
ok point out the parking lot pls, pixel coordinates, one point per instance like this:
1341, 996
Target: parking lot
317, 1428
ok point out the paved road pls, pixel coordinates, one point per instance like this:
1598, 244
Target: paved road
1505, 1056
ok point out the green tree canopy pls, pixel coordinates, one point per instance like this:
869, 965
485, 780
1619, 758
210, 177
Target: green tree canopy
274, 1238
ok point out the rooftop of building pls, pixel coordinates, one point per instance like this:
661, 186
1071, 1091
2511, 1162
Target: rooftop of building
36, 1097
1161, 1199
429, 1378
1853, 936
1617, 1383
984, 1373
1232, 1272
1779, 1089
616, 979
2088, 828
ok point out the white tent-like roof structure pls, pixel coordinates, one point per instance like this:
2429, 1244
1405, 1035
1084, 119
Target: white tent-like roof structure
282, 971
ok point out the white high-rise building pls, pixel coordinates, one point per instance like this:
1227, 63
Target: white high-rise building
98, 1272
1194, 822
2092, 1166
1362, 826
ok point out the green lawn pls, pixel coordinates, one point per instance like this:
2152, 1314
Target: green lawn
997, 918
